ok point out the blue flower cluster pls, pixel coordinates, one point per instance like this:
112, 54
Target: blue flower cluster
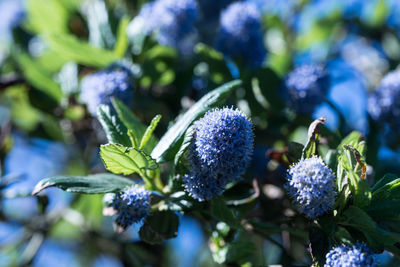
132, 205
350, 255
240, 34
221, 149
383, 104
306, 87
98, 88
312, 186
173, 21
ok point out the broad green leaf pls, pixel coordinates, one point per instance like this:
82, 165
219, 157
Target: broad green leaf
79, 51
360, 220
114, 128
310, 148
123, 160
91, 184
149, 131
122, 38
294, 152
38, 77
390, 191
221, 212
133, 124
159, 226
47, 16
172, 139
389, 208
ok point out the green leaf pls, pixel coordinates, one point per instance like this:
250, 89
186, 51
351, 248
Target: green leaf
384, 209
159, 226
133, 124
149, 131
123, 160
390, 190
361, 221
319, 245
115, 130
47, 16
38, 77
310, 148
294, 152
383, 181
79, 51
169, 144
91, 184
122, 38
221, 212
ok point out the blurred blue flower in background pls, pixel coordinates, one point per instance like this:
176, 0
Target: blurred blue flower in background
55, 253
240, 34
99, 87
285, 10
33, 159
12, 12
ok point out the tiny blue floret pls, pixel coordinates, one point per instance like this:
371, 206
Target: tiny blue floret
312, 186
221, 149
240, 34
306, 87
99, 87
132, 206
357, 255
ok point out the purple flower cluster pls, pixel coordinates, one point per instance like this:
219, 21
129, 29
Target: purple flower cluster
99, 87
240, 34
132, 205
312, 186
350, 255
221, 149
306, 87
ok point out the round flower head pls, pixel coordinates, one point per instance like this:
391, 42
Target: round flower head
357, 255
312, 186
220, 152
383, 105
99, 87
173, 21
306, 87
240, 34
132, 205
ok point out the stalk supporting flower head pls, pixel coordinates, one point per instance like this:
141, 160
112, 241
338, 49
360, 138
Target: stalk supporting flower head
383, 105
132, 206
221, 149
99, 87
306, 87
350, 255
240, 34
312, 186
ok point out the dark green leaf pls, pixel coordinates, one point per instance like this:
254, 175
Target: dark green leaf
319, 245
172, 140
91, 184
123, 160
159, 226
294, 152
383, 181
221, 212
384, 209
114, 128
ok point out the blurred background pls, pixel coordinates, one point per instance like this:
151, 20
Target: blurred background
176, 55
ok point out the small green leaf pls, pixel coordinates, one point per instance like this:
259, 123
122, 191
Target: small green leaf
133, 124
149, 131
79, 51
310, 149
123, 160
159, 226
91, 184
221, 212
169, 144
383, 181
294, 152
113, 127
122, 38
